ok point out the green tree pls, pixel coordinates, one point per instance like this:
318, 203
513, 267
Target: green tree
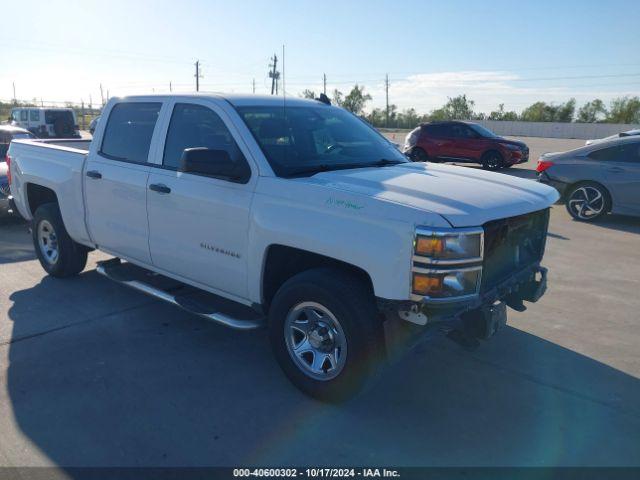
337, 97
456, 108
501, 114
544, 112
356, 99
592, 112
565, 111
624, 110
308, 94
377, 117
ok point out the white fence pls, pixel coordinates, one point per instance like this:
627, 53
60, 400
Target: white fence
583, 131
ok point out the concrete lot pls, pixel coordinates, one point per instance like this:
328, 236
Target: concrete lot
93, 374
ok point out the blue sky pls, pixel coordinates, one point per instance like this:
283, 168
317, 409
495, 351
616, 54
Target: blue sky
494, 51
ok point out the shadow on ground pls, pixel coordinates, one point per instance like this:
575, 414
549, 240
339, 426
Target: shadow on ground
16, 245
115, 378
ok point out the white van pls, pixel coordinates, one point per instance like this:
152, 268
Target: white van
46, 122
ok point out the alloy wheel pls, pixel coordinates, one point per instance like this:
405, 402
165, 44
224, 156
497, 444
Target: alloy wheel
586, 203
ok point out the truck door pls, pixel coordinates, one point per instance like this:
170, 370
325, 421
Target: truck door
199, 225
116, 181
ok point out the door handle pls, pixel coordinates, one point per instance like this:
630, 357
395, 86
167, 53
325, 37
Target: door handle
615, 169
94, 174
160, 188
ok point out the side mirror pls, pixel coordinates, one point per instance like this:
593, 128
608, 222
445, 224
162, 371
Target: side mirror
212, 163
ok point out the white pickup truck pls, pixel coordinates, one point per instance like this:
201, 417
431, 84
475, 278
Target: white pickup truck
294, 214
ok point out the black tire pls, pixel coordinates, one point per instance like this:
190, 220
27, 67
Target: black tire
419, 155
587, 201
492, 161
67, 258
351, 302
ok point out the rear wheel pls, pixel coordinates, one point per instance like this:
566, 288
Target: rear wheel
588, 201
59, 255
492, 161
419, 155
325, 333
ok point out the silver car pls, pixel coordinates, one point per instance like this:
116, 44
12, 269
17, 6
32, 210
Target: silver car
596, 179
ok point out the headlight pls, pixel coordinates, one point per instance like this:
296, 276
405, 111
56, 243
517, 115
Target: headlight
447, 264
448, 246
445, 284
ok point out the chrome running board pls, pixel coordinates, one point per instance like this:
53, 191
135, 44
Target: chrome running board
134, 277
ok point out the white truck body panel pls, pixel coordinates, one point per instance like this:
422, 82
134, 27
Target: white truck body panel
215, 234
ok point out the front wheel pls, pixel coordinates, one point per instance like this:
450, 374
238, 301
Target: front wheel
59, 255
325, 333
587, 202
492, 161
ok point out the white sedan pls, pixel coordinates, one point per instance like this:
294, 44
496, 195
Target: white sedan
628, 133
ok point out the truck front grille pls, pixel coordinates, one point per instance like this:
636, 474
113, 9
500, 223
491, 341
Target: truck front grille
512, 244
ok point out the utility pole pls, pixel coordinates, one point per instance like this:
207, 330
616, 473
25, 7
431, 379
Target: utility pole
170, 88
15, 102
101, 95
274, 74
324, 83
198, 75
254, 86
386, 88
82, 114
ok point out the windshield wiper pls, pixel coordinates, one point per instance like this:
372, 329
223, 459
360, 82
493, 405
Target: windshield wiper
324, 167
383, 162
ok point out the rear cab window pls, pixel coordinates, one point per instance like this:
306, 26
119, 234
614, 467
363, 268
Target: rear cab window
129, 131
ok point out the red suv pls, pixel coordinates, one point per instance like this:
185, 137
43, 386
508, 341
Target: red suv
457, 141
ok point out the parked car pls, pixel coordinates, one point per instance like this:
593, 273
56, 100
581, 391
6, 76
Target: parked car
7, 134
456, 141
93, 125
298, 216
628, 133
46, 122
596, 179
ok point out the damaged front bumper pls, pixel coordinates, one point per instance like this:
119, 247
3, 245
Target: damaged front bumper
477, 317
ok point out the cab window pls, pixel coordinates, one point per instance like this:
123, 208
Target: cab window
34, 115
198, 126
129, 131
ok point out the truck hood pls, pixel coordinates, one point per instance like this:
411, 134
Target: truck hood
464, 196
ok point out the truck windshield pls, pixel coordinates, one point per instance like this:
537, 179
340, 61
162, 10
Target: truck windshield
306, 140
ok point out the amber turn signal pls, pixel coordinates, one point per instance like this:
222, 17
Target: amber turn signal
427, 284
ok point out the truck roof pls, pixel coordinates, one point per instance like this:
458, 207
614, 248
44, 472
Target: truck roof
237, 100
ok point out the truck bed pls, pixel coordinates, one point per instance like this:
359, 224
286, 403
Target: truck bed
57, 165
